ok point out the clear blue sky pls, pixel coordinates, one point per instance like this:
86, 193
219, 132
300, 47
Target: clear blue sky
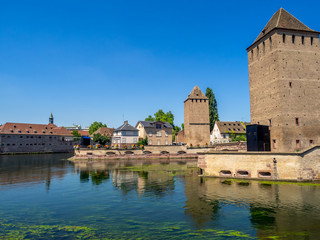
111, 61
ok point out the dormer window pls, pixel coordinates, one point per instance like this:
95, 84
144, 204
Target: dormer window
43, 131
27, 131
14, 126
50, 132
35, 131
11, 131
30, 127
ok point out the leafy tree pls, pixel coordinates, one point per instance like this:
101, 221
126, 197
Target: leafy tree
76, 134
95, 126
213, 107
143, 142
182, 126
174, 131
101, 139
162, 116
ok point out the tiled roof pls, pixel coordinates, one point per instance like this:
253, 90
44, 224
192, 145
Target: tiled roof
152, 124
83, 132
126, 127
196, 93
283, 20
232, 127
34, 129
104, 131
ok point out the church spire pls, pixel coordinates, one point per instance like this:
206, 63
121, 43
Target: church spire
51, 119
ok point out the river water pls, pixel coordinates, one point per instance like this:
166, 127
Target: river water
48, 197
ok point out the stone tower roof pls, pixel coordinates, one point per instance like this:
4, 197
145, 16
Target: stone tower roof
196, 93
283, 20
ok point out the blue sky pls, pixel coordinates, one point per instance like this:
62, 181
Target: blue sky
111, 61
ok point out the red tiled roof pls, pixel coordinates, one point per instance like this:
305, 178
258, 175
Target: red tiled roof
83, 132
105, 131
34, 129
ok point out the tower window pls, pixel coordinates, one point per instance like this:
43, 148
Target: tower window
298, 144
290, 84
264, 47
293, 38
297, 121
311, 141
270, 122
251, 55
270, 41
311, 39
283, 38
257, 51
302, 40
274, 143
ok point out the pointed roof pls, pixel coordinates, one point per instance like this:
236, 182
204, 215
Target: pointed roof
196, 93
51, 116
283, 20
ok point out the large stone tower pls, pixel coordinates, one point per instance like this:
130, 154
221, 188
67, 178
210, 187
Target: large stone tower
284, 79
196, 118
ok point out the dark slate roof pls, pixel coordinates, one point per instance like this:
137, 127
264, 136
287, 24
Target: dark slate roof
232, 127
152, 124
126, 127
196, 93
283, 20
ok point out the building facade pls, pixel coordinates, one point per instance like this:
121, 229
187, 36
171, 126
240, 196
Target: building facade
196, 118
284, 80
125, 135
223, 132
34, 138
158, 133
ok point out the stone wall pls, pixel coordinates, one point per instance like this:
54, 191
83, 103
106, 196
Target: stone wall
262, 165
231, 146
25, 143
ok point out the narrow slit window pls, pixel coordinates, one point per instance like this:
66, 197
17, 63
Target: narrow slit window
293, 38
311, 40
290, 84
283, 38
297, 121
251, 55
257, 51
302, 40
270, 41
264, 47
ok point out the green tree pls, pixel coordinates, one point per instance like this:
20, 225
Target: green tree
95, 126
143, 142
149, 118
213, 107
76, 135
175, 130
182, 126
162, 116
101, 139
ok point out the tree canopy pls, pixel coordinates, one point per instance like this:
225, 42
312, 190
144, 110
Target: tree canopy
76, 134
213, 107
95, 126
162, 116
101, 139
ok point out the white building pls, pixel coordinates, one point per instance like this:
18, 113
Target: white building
125, 135
222, 131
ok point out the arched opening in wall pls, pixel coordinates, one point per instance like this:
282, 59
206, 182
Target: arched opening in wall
283, 38
264, 174
181, 152
225, 173
129, 152
243, 173
89, 153
147, 152
110, 153
164, 152
302, 40
201, 171
293, 38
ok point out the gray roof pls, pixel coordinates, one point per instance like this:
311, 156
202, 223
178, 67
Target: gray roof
126, 127
152, 124
232, 127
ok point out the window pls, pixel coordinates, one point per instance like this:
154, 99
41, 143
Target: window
150, 134
311, 141
150, 142
167, 143
158, 142
274, 142
258, 51
158, 126
166, 134
311, 39
135, 140
270, 41
290, 84
298, 144
251, 55
283, 38
293, 38
123, 140
297, 121
159, 134
264, 47
302, 40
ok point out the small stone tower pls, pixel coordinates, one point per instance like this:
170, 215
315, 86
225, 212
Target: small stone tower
51, 119
196, 118
284, 80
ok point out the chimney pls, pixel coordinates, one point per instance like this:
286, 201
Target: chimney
125, 122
